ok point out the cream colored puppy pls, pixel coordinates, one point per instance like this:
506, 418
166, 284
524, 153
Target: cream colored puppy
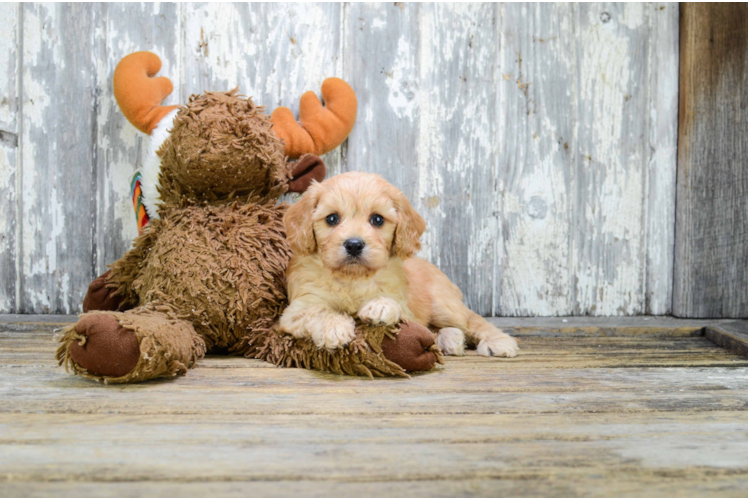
353, 239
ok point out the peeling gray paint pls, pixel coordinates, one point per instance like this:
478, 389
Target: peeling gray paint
538, 141
8, 156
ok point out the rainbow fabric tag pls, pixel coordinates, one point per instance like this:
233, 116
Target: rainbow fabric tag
136, 193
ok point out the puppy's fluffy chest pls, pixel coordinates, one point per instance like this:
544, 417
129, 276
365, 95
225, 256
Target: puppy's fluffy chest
346, 293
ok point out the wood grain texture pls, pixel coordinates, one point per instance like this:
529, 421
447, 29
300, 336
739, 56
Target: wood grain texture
711, 250
732, 336
587, 483
614, 416
612, 160
457, 150
662, 166
538, 141
58, 161
8, 154
381, 61
273, 53
587, 108
536, 165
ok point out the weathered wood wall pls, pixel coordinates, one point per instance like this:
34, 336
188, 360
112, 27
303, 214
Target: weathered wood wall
711, 251
538, 141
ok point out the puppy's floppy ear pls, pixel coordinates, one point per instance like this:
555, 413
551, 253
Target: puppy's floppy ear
410, 227
299, 223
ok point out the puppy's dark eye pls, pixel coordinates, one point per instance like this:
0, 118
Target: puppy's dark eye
332, 219
376, 220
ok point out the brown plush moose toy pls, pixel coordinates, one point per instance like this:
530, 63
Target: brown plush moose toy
207, 273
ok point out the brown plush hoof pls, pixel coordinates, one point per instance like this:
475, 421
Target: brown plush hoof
411, 348
109, 349
101, 298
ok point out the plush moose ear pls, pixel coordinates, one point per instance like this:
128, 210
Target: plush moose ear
302, 173
138, 93
410, 227
299, 223
320, 128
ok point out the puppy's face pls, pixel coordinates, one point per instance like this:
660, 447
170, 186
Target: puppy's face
356, 222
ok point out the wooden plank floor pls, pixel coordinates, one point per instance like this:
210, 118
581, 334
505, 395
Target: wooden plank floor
592, 407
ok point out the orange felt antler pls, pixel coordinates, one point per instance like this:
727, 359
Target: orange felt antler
320, 128
138, 94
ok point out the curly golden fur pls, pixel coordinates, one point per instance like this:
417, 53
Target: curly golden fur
353, 239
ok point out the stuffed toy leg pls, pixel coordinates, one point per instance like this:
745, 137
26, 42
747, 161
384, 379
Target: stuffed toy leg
118, 347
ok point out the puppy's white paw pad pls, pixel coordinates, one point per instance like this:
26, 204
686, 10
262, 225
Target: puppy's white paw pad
382, 310
503, 345
451, 341
335, 332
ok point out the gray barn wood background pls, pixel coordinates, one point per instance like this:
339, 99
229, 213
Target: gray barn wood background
538, 141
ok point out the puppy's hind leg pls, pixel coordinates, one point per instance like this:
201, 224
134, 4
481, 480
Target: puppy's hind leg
489, 340
448, 312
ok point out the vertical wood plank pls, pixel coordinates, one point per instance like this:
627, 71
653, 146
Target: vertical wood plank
663, 147
457, 146
612, 159
8, 67
121, 148
272, 52
537, 142
8, 154
59, 201
381, 61
711, 242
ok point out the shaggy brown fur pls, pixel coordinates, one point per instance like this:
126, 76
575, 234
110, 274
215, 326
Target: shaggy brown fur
222, 146
220, 267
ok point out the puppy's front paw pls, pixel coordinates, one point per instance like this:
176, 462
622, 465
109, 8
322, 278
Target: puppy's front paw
451, 341
333, 331
498, 344
381, 310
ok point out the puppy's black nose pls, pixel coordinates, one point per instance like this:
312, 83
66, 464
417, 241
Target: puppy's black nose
354, 246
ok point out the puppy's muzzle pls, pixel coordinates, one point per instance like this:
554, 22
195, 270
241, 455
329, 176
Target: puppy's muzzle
354, 246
